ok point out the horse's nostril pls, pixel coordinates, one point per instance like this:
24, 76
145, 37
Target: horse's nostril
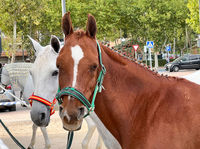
81, 111
42, 116
61, 108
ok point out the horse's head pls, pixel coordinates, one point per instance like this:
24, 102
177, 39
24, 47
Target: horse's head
5, 79
44, 74
79, 68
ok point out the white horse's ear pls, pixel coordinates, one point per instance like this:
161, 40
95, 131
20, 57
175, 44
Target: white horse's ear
36, 46
55, 43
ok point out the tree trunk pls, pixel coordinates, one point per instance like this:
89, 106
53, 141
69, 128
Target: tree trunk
14, 41
174, 48
186, 39
156, 60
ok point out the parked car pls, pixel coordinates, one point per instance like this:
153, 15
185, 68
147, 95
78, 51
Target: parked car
6, 99
184, 62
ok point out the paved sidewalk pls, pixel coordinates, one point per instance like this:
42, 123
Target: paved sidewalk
20, 125
176, 74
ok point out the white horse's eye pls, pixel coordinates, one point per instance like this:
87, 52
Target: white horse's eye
55, 73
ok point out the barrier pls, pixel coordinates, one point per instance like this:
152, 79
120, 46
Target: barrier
19, 100
12, 103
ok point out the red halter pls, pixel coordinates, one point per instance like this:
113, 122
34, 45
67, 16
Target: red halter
44, 101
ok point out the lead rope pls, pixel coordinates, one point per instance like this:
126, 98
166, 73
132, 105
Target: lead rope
10, 134
70, 139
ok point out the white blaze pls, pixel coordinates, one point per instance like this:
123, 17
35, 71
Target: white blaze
77, 55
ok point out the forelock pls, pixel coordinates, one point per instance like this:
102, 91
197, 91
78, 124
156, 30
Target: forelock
79, 33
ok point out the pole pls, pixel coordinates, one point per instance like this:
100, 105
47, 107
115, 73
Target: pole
168, 55
63, 7
14, 41
145, 54
145, 58
136, 55
150, 60
63, 11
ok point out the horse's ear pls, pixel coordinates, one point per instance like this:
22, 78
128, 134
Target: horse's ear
91, 28
55, 43
67, 24
36, 46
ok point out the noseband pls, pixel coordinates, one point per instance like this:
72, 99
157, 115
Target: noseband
44, 101
70, 91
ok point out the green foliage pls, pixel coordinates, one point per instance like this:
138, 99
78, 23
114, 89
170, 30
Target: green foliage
157, 20
193, 19
161, 62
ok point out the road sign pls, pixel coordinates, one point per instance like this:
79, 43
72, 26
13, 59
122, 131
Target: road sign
150, 44
168, 48
145, 49
135, 47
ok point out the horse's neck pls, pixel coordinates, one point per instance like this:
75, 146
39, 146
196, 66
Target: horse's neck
127, 76
28, 88
125, 84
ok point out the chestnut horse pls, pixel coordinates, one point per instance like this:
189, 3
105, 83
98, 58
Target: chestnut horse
140, 108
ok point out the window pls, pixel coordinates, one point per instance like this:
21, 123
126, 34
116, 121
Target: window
184, 59
194, 57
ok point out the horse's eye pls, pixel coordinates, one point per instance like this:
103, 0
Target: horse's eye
55, 73
93, 67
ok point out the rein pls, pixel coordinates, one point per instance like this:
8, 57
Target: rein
44, 101
70, 91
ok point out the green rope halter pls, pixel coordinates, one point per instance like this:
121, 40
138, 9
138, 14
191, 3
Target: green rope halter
70, 91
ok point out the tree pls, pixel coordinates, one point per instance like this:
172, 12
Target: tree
193, 19
160, 21
21, 13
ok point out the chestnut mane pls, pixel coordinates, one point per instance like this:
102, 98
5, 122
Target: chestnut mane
124, 60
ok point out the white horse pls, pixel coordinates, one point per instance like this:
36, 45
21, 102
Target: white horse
17, 74
2, 145
45, 79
